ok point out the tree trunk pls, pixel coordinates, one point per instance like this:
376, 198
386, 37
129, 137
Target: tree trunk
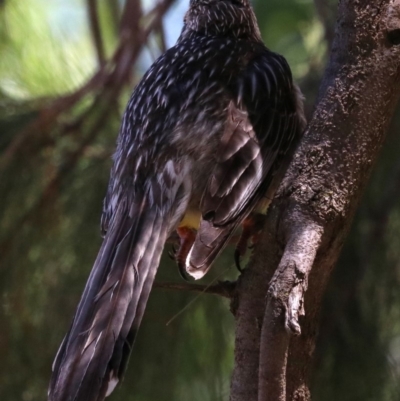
314, 207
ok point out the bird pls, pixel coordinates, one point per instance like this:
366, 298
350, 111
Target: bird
205, 139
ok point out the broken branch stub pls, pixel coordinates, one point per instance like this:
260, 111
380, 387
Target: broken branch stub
290, 281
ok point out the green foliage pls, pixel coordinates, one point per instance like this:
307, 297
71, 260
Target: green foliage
290, 27
39, 58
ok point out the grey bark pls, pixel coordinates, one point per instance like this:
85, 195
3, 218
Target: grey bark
278, 298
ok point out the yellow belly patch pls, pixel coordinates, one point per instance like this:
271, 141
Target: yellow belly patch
262, 206
191, 219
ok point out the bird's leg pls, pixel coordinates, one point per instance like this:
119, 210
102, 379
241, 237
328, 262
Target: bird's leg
251, 230
186, 237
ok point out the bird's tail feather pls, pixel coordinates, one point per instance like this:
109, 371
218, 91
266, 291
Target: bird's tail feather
94, 353
210, 241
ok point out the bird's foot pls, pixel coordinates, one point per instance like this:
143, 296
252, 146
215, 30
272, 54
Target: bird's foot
186, 237
251, 230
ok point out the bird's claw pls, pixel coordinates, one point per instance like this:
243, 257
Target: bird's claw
182, 272
237, 256
172, 253
251, 227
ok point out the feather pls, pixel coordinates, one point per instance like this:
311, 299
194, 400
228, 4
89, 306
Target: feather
93, 356
261, 131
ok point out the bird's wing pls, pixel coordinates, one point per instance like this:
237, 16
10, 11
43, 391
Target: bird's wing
94, 353
263, 121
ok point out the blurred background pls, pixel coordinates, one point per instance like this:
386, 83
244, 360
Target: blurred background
67, 68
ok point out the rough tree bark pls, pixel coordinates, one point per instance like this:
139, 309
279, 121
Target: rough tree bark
277, 320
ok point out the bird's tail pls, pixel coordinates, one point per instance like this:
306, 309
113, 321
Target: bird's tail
209, 242
94, 353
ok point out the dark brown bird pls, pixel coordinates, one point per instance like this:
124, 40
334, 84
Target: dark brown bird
204, 141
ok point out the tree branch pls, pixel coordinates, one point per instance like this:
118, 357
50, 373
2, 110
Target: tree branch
285, 298
96, 31
311, 215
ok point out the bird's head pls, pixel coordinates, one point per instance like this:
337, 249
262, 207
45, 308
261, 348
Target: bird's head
233, 18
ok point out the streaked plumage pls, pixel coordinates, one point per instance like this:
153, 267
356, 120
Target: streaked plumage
204, 141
